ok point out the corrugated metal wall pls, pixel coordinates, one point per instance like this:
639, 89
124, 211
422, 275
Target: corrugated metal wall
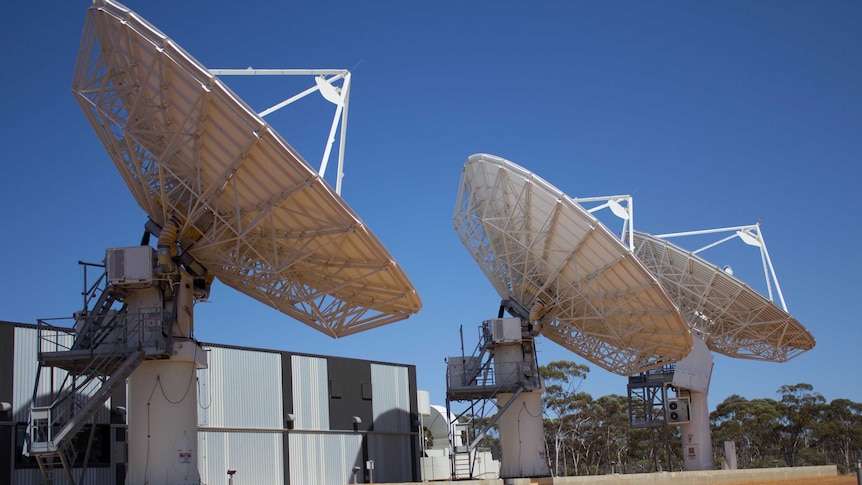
240, 392
94, 476
310, 393
240, 389
258, 458
392, 453
391, 398
324, 459
26, 365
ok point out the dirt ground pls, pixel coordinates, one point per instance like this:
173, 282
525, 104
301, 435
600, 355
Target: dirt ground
844, 480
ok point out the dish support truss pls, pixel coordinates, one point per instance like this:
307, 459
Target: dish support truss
750, 235
734, 319
324, 82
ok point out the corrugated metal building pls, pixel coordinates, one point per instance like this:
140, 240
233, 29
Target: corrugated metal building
277, 418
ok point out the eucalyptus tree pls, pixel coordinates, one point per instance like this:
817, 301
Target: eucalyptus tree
840, 432
801, 410
564, 407
754, 425
612, 431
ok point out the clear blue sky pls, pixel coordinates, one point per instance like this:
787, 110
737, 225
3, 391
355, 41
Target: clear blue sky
710, 114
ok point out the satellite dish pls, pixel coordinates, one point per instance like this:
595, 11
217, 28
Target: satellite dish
247, 205
733, 319
544, 251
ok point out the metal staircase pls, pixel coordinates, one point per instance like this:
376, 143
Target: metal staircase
107, 345
97, 325
89, 382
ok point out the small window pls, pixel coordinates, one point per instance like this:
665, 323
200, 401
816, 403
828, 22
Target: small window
366, 391
335, 390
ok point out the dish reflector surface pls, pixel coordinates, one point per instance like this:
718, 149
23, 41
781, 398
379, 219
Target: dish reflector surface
250, 208
535, 244
734, 319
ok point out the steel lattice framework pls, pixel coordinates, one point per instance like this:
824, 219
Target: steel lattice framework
733, 319
538, 247
249, 207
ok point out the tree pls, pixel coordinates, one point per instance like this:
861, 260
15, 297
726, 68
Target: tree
590, 436
840, 432
801, 408
563, 407
754, 426
612, 430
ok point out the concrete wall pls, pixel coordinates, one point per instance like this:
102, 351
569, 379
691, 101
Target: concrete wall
710, 477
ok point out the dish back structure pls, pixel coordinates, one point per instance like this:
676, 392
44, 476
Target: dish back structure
248, 206
732, 318
544, 251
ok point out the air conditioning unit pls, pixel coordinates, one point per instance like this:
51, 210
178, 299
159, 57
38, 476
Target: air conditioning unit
678, 410
505, 330
130, 266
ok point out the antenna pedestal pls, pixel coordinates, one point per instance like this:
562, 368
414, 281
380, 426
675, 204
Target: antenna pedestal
522, 437
504, 369
162, 418
691, 378
696, 436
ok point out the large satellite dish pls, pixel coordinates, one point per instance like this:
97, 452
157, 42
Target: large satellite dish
543, 250
733, 319
247, 205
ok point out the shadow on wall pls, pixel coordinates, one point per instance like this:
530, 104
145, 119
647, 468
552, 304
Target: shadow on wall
99, 434
389, 451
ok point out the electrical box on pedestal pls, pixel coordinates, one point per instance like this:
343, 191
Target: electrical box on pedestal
461, 371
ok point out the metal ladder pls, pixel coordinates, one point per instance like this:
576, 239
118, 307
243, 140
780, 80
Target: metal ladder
56, 466
462, 465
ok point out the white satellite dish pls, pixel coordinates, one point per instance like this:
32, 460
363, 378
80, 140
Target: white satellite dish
539, 247
728, 316
732, 318
250, 208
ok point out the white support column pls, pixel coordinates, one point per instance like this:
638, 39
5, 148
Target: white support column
522, 437
696, 435
162, 418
